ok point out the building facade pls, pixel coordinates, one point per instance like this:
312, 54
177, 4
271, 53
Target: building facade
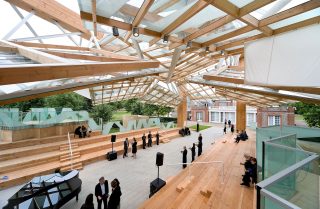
273, 116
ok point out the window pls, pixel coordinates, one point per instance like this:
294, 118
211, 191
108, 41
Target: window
215, 116
274, 120
199, 116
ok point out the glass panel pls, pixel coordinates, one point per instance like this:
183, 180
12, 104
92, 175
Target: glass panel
278, 158
300, 187
267, 203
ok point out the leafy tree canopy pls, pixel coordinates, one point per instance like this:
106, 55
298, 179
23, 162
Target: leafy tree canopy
310, 113
103, 111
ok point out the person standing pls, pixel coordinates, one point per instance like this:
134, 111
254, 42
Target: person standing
125, 148
184, 157
229, 123
225, 129
144, 141
225, 122
102, 193
200, 147
114, 201
232, 129
149, 139
157, 138
88, 204
193, 151
134, 148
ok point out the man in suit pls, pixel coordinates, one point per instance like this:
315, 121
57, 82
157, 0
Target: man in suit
149, 139
102, 193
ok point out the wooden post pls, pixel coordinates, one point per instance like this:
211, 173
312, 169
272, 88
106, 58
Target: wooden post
182, 113
241, 116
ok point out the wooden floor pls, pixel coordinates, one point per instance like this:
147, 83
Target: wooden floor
203, 187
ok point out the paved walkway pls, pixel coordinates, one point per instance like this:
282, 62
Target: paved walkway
134, 175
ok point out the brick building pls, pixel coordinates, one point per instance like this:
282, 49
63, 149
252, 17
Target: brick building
272, 116
199, 113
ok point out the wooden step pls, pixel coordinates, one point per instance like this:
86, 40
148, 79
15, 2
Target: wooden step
68, 157
75, 166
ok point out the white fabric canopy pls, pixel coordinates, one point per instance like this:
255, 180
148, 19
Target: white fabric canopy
289, 59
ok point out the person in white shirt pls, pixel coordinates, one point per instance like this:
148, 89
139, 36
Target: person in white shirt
102, 193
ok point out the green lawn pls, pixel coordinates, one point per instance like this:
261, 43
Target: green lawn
201, 127
298, 117
118, 115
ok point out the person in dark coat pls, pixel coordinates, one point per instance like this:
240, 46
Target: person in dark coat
144, 143
229, 123
157, 138
149, 139
134, 148
102, 193
232, 129
199, 145
125, 148
88, 204
193, 151
253, 170
78, 132
184, 157
225, 129
114, 200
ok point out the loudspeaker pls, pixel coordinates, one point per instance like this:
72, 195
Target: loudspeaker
156, 185
159, 160
112, 155
113, 138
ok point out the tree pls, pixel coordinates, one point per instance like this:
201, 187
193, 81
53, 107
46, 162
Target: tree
69, 100
27, 105
163, 110
310, 113
103, 111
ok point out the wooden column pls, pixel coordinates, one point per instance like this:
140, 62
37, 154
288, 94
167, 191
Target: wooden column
182, 113
241, 116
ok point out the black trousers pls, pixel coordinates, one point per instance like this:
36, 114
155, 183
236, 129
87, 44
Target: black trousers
150, 143
125, 152
199, 151
192, 157
105, 202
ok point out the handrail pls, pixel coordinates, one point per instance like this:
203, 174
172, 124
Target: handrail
275, 198
202, 162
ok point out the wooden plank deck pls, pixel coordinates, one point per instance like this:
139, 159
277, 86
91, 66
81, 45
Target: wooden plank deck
206, 189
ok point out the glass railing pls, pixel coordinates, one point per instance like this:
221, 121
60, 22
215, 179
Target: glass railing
289, 176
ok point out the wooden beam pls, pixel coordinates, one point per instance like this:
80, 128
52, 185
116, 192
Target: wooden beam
52, 10
40, 93
31, 73
174, 61
309, 90
311, 21
254, 5
234, 11
84, 56
193, 10
140, 15
165, 6
260, 92
133, 11
52, 46
209, 28
94, 16
239, 42
299, 9
229, 35
223, 79
112, 55
35, 55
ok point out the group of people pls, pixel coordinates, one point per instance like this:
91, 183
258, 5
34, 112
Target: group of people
250, 174
242, 136
193, 151
185, 131
135, 143
231, 126
82, 132
102, 195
